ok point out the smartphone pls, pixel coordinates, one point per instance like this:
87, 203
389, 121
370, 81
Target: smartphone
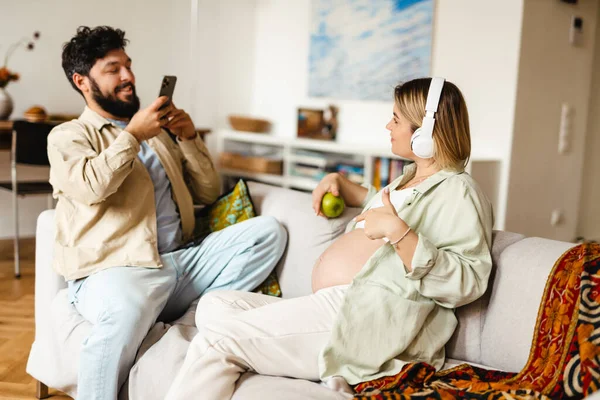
167, 87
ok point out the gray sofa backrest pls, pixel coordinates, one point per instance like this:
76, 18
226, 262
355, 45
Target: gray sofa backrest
465, 344
513, 302
497, 329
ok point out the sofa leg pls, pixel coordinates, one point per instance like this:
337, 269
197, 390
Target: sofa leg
42, 391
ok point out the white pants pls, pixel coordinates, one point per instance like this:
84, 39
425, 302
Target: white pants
241, 332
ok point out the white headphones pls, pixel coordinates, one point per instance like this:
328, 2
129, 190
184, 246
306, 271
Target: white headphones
421, 141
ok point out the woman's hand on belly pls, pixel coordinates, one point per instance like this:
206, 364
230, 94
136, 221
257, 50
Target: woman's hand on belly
383, 221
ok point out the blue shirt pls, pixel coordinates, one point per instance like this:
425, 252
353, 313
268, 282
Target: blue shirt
168, 222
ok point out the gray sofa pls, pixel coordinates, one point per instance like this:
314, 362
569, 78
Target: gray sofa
494, 332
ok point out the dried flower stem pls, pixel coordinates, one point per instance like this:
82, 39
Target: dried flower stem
12, 49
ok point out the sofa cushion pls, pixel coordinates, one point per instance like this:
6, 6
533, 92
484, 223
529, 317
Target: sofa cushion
165, 346
465, 344
520, 278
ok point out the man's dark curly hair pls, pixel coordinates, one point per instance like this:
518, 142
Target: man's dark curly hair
90, 44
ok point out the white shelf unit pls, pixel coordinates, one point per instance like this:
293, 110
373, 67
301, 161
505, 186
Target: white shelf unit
288, 147
486, 170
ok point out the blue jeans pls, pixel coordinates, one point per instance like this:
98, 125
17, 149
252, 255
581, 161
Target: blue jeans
122, 303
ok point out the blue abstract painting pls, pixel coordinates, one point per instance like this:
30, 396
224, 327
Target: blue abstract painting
361, 49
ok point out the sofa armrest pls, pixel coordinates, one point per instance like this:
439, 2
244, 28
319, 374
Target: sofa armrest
308, 235
47, 282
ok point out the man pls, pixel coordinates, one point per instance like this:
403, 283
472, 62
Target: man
125, 216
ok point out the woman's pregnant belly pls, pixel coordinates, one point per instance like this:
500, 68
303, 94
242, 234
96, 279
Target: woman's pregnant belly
341, 261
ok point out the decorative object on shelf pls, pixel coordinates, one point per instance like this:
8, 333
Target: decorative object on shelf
7, 76
36, 114
6, 104
318, 124
248, 124
310, 123
331, 121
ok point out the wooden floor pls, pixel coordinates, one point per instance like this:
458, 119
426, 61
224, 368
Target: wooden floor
17, 330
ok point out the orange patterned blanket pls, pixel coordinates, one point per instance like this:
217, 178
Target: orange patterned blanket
564, 360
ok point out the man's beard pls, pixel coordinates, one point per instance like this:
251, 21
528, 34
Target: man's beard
112, 104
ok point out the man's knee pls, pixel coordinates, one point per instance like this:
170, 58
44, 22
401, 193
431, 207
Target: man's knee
273, 233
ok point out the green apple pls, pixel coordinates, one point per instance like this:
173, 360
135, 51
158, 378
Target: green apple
332, 206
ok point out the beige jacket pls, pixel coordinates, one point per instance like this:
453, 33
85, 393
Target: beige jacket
106, 215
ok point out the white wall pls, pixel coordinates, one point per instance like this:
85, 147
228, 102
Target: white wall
551, 72
252, 58
589, 212
158, 33
476, 45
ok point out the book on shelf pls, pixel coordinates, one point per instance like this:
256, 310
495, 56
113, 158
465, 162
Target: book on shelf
385, 170
353, 172
308, 171
396, 168
377, 173
312, 158
315, 165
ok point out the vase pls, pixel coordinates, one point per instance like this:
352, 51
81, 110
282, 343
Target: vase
6, 104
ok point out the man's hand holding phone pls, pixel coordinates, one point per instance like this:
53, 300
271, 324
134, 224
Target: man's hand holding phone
147, 122
179, 123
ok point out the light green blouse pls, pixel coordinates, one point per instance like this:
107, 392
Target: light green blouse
390, 317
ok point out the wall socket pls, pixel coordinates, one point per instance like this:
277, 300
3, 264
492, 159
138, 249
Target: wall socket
566, 126
576, 31
556, 217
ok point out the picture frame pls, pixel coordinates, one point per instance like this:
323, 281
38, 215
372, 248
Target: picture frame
317, 123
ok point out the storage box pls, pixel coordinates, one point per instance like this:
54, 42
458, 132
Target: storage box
250, 163
248, 124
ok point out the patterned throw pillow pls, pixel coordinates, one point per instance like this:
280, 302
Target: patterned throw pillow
231, 208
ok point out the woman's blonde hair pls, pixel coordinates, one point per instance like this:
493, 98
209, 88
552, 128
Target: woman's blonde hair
451, 133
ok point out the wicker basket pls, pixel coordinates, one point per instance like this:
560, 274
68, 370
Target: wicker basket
250, 163
248, 124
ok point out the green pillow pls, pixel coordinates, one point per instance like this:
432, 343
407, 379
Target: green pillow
231, 208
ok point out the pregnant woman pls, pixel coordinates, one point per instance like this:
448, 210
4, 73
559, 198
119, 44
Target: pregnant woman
385, 291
